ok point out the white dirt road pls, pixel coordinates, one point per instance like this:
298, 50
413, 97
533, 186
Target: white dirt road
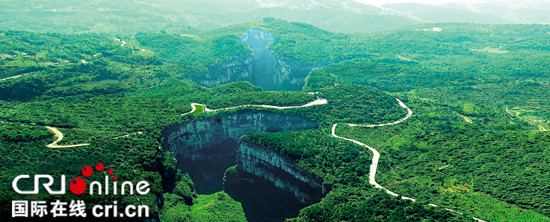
59, 136
376, 154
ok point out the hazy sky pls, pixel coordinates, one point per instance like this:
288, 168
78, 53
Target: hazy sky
429, 2
512, 3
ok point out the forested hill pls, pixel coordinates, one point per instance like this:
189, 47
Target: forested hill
477, 141
188, 16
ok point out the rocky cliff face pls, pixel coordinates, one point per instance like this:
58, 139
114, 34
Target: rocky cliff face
281, 171
264, 68
269, 185
192, 140
206, 148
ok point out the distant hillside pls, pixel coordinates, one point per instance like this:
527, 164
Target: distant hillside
431, 13
188, 16
132, 16
480, 13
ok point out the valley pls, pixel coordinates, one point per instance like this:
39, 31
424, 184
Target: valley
276, 120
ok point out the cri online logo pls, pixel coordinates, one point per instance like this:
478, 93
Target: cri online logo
78, 185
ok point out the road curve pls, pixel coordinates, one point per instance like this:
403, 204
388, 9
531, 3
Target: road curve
121, 41
59, 136
17, 76
376, 154
124, 43
193, 108
13, 77
541, 128
316, 102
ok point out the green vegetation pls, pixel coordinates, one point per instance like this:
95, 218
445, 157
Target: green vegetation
353, 104
188, 16
116, 93
461, 149
356, 204
22, 133
183, 204
448, 161
214, 207
338, 162
31, 156
199, 108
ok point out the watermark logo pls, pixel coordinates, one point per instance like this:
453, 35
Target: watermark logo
79, 186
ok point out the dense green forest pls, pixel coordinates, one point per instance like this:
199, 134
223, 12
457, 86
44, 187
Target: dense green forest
477, 142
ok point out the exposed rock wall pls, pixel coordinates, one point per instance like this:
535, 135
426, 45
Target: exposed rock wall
281, 171
264, 68
269, 185
191, 140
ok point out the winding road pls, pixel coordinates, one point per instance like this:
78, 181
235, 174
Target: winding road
318, 101
376, 154
13, 77
122, 41
17, 76
541, 128
59, 136
193, 108
508, 111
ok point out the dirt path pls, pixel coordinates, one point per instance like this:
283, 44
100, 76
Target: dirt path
376, 154
127, 135
13, 77
59, 136
139, 51
193, 108
517, 113
316, 102
467, 119
122, 41
541, 128
17, 76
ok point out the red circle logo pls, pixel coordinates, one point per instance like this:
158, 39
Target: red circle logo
77, 186
87, 171
99, 166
